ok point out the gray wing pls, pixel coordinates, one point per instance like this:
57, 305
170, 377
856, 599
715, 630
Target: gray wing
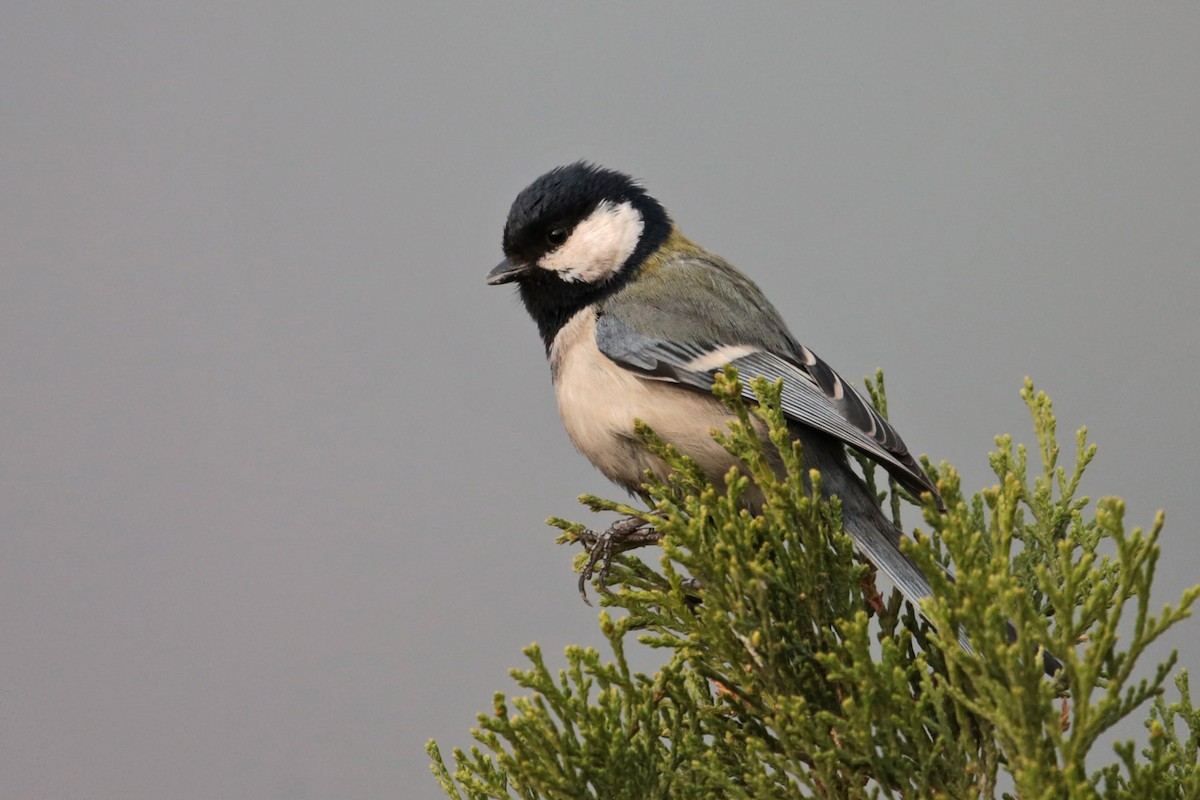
813, 394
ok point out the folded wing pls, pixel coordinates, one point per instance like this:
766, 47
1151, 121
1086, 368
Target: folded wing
813, 394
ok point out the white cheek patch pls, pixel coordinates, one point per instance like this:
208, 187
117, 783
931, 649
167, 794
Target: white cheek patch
598, 246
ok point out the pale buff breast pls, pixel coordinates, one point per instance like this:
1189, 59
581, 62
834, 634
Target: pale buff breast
599, 401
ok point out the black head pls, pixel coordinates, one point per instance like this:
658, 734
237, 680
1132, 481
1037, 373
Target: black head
573, 236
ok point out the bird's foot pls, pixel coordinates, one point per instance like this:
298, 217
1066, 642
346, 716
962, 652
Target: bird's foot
621, 537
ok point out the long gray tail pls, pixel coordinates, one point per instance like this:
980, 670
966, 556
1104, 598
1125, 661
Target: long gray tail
875, 536
878, 540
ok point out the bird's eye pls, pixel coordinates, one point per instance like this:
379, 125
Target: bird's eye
556, 236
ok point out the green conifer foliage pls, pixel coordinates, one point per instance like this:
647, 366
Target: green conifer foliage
786, 675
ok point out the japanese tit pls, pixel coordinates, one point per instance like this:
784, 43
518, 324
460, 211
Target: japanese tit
637, 320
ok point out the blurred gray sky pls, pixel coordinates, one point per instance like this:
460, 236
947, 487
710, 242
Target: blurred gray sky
274, 461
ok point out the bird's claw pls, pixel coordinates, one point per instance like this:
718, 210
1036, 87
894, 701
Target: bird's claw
620, 537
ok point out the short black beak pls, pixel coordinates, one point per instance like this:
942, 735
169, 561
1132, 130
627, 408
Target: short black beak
505, 272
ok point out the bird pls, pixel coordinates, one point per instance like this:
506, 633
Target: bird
637, 321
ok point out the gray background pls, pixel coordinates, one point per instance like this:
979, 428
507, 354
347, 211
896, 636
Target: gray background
274, 461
